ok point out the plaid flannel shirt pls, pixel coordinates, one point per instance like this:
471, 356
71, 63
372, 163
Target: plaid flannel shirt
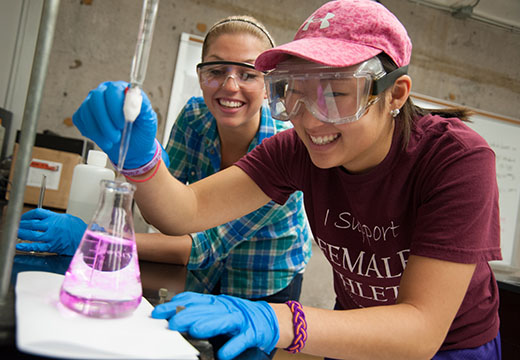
256, 255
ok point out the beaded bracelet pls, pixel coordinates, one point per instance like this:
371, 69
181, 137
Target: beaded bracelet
299, 327
146, 167
146, 179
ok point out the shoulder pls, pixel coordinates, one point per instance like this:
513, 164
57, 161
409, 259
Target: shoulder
447, 140
276, 147
436, 130
447, 151
286, 138
284, 148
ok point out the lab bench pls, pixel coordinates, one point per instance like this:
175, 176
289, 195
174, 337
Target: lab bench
154, 276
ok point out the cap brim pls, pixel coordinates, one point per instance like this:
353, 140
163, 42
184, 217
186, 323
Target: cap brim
330, 52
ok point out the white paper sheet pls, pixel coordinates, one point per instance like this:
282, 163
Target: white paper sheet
45, 327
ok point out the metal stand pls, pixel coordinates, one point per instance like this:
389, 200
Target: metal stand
21, 168
7, 320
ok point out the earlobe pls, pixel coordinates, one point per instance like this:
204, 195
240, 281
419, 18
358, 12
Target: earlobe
401, 91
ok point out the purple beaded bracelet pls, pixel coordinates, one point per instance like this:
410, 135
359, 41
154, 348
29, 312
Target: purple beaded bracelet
299, 327
146, 167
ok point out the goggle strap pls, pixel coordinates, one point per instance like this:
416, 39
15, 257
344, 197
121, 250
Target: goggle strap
387, 80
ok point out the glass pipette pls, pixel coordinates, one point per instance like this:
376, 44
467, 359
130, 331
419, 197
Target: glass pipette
133, 97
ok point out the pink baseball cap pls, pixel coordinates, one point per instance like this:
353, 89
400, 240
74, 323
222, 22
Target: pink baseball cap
344, 33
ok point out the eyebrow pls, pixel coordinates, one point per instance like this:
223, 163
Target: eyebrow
250, 61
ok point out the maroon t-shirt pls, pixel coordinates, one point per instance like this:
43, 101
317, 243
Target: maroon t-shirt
438, 198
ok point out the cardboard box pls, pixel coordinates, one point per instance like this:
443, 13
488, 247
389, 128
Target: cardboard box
57, 166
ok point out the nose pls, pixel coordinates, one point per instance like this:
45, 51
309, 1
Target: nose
306, 117
230, 85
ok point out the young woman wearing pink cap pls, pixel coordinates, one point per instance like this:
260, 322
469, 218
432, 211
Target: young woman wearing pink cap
402, 201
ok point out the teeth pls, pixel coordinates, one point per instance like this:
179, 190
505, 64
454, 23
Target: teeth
230, 103
322, 140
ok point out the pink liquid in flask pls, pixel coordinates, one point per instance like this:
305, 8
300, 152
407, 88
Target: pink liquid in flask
103, 279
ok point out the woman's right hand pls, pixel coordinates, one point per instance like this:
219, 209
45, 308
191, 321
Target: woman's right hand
100, 118
248, 323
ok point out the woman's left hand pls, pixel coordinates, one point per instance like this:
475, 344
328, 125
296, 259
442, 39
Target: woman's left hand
249, 323
50, 232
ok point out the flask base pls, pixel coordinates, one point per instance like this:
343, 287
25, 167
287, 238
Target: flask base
99, 308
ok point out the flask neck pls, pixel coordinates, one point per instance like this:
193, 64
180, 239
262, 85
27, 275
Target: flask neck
114, 214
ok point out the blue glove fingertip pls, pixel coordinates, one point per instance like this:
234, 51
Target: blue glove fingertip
21, 247
233, 348
30, 235
159, 314
37, 213
165, 311
32, 247
173, 324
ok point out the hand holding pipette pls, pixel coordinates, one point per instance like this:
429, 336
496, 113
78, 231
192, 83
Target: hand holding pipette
100, 119
133, 98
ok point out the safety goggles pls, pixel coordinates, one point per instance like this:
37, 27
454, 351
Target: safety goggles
214, 74
332, 95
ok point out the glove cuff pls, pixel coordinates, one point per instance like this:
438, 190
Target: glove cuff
146, 167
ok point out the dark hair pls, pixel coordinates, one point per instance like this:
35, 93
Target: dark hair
237, 25
409, 112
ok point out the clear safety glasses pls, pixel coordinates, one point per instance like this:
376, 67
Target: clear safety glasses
214, 74
331, 95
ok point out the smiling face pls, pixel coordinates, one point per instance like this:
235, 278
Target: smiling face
233, 106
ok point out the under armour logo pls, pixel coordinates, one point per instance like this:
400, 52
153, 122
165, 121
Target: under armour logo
324, 21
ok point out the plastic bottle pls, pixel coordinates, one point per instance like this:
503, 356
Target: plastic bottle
85, 188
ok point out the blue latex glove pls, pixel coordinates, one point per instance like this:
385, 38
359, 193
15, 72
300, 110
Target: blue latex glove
100, 118
250, 323
50, 231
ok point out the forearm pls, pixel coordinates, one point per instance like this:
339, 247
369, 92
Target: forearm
162, 248
430, 294
178, 209
386, 332
165, 202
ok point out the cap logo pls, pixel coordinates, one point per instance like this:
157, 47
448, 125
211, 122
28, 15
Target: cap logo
324, 21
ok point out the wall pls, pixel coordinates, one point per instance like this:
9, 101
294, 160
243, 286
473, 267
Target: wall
462, 61
19, 26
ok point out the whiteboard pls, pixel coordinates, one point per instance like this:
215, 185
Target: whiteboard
185, 80
503, 135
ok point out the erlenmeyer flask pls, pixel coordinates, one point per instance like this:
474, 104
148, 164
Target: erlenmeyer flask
103, 279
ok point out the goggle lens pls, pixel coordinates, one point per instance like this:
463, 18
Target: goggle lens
214, 74
338, 98
333, 95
